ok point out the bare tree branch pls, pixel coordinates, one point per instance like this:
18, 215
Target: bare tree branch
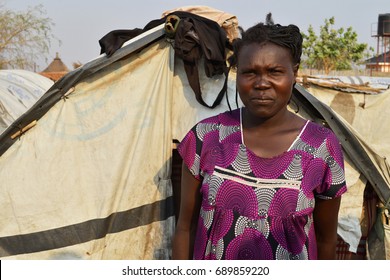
24, 37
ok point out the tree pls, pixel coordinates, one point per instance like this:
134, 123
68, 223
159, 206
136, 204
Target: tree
333, 49
24, 37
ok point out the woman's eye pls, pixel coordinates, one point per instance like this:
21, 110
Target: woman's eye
275, 70
248, 73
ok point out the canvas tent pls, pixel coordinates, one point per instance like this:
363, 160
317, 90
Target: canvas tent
19, 90
94, 169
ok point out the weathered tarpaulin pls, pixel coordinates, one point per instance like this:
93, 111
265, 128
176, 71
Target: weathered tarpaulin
87, 184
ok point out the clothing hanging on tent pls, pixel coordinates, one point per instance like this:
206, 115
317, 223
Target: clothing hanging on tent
195, 37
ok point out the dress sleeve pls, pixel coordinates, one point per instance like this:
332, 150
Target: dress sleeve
190, 149
333, 183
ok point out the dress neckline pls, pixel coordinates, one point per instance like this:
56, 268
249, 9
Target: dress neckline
291, 146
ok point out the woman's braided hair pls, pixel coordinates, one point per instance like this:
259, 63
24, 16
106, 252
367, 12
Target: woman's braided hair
286, 36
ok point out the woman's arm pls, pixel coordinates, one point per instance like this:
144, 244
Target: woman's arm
325, 223
190, 201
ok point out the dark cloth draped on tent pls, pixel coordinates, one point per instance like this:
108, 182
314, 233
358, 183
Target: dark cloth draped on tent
195, 37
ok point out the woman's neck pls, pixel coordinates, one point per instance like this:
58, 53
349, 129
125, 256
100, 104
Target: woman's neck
251, 122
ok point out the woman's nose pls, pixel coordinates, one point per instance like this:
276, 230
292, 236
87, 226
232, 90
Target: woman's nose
261, 82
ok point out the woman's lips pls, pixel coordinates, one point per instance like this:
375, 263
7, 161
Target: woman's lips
261, 101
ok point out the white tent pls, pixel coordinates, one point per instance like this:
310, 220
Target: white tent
19, 90
90, 176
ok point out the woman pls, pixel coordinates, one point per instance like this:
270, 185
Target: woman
260, 182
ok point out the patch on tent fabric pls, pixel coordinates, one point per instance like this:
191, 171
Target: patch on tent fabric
345, 105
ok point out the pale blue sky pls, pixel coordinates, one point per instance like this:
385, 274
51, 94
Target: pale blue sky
79, 24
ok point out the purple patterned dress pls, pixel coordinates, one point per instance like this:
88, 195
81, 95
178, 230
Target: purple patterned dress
259, 208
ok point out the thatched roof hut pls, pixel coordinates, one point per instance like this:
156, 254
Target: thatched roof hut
56, 69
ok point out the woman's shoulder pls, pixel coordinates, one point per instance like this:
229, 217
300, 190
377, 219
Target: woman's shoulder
318, 133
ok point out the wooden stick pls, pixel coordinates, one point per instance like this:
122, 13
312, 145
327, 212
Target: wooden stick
24, 129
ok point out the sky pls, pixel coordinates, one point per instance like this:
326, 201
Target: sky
79, 24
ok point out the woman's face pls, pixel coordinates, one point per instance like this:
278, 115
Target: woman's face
265, 78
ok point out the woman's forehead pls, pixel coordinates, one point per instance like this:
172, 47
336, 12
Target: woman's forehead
261, 45
257, 49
